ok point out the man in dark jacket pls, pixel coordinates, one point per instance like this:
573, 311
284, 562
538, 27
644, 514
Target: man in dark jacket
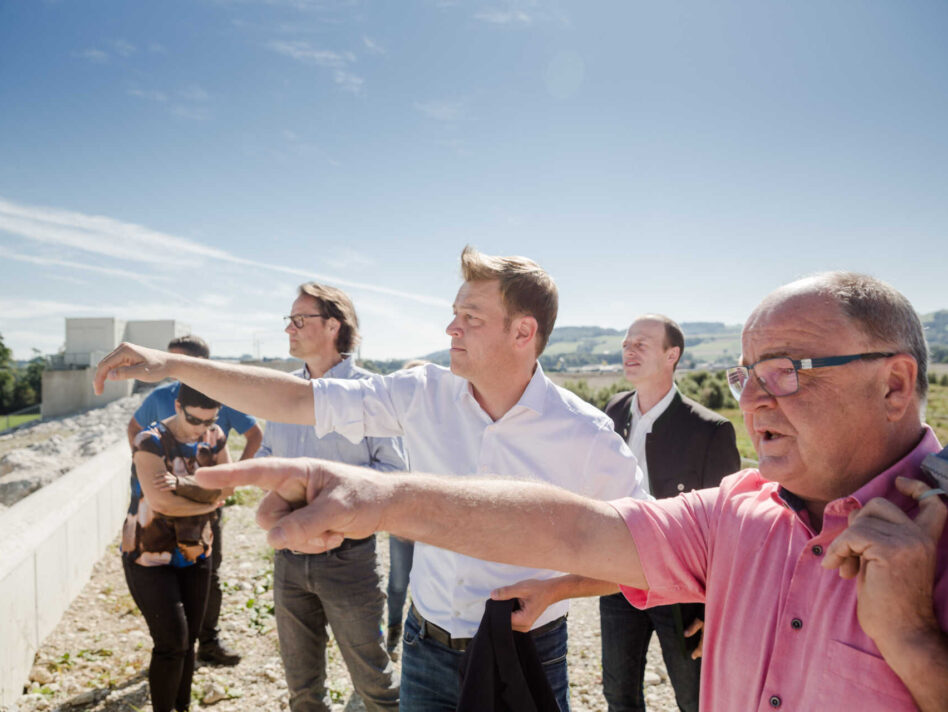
680, 446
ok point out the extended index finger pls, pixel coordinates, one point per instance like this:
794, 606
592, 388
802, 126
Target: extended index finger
266, 472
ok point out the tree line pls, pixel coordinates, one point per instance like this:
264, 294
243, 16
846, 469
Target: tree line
709, 388
20, 387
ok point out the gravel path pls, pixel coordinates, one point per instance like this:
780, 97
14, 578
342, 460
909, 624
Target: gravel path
97, 657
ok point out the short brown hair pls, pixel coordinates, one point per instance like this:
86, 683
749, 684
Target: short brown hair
525, 287
883, 313
674, 336
336, 304
192, 345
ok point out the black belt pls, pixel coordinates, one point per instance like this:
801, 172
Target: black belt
440, 635
346, 544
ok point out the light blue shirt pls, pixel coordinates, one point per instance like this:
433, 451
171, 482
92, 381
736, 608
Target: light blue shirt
286, 440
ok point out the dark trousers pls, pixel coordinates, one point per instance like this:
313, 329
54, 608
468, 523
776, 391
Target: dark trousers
208, 634
172, 600
626, 632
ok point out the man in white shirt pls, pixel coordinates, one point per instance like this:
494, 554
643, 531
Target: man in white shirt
493, 412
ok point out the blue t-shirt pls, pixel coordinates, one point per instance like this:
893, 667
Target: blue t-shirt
159, 404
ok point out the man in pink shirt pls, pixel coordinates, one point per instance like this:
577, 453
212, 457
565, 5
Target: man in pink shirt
832, 382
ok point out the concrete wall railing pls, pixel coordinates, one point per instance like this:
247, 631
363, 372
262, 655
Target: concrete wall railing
50, 542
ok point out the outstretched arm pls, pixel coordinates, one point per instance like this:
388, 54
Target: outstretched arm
314, 504
263, 392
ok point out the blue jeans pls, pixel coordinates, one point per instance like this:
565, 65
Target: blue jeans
430, 677
342, 588
400, 552
626, 632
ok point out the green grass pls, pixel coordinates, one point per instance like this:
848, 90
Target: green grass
12, 421
744, 445
937, 411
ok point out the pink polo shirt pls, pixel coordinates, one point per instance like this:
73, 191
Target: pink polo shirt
780, 631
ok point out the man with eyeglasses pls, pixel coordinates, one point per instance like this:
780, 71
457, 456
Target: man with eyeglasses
341, 588
824, 571
159, 404
494, 410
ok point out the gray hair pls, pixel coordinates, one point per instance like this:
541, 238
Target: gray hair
883, 313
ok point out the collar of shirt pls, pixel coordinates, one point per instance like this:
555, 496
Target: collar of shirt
647, 420
343, 369
533, 398
882, 485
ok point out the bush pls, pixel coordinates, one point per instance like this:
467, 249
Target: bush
709, 389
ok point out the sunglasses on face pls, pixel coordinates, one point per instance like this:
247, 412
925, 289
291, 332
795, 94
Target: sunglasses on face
198, 421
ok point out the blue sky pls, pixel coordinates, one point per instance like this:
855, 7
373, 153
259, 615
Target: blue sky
197, 160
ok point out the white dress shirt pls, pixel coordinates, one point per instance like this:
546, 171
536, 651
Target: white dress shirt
641, 426
550, 435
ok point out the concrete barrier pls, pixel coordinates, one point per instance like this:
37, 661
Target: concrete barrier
50, 542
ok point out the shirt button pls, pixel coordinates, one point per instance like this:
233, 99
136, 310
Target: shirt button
817, 550
796, 624
681, 487
775, 701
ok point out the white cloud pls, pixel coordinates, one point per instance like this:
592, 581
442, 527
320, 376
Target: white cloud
195, 113
344, 258
372, 46
303, 52
130, 242
504, 17
194, 93
97, 234
93, 55
149, 94
54, 262
39, 308
441, 110
123, 48
352, 83
338, 62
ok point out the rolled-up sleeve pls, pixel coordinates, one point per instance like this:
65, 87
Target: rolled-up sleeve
671, 536
355, 408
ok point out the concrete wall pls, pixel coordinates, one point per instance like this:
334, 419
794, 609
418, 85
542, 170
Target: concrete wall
66, 392
155, 334
83, 336
51, 540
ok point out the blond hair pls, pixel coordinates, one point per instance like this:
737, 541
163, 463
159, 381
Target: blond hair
525, 287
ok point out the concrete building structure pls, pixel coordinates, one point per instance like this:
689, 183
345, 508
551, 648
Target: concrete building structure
51, 540
67, 381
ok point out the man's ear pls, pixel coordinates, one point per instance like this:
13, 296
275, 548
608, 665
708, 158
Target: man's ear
525, 330
901, 373
177, 406
673, 354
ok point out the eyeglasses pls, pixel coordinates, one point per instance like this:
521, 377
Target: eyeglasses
299, 319
198, 421
778, 376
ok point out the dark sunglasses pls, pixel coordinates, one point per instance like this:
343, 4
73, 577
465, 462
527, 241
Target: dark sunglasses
198, 421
